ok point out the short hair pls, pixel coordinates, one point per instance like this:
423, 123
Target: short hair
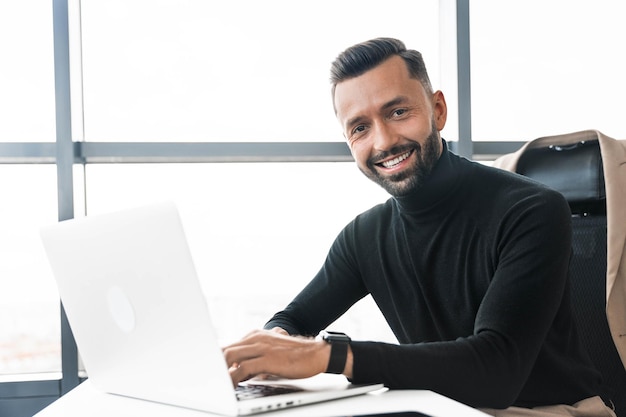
364, 56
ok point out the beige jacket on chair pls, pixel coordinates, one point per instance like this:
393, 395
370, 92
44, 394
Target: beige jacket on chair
613, 154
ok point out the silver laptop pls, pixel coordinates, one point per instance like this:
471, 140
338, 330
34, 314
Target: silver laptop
140, 318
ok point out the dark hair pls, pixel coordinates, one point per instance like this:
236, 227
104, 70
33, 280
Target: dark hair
364, 56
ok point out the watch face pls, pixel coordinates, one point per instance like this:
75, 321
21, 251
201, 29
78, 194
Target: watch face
335, 337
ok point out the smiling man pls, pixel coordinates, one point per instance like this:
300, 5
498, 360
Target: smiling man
392, 126
467, 263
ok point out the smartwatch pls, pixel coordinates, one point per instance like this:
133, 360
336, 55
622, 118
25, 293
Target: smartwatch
338, 350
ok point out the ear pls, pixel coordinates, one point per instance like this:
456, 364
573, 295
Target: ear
440, 109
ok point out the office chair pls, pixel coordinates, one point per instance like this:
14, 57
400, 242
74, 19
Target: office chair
576, 171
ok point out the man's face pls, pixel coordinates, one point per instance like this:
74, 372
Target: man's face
392, 125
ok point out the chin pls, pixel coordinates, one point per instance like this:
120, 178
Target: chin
397, 190
397, 185
400, 188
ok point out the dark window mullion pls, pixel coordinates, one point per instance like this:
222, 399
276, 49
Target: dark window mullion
64, 163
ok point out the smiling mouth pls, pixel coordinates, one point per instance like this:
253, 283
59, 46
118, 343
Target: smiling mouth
395, 161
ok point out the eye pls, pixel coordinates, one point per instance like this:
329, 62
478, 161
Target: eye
398, 112
357, 131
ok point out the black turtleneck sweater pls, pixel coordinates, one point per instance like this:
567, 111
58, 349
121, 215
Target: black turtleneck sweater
471, 274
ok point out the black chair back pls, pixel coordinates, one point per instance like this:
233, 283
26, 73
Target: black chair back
576, 171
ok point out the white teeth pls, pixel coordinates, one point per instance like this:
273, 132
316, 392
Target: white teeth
396, 161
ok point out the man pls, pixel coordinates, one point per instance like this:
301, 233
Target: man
467, 263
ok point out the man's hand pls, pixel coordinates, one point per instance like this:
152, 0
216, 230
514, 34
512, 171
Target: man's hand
276, 353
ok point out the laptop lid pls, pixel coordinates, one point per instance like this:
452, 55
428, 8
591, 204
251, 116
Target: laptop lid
139, 316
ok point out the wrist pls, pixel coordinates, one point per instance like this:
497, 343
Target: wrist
340, 356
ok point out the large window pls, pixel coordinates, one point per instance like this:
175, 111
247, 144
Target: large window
145, 79
194, 71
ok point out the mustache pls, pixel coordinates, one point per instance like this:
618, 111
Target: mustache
396, 150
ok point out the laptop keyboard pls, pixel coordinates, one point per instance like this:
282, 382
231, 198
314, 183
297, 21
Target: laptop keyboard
249, 391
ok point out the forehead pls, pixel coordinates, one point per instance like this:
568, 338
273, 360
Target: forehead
370, 91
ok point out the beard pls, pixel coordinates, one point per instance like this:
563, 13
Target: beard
413, 177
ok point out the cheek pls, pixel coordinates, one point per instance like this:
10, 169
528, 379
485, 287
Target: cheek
359, 152
416, 128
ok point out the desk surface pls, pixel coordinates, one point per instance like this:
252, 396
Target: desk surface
85, 400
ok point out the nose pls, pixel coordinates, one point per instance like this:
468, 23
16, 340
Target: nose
384, 137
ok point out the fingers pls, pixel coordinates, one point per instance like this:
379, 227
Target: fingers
241, 356
241, 351
272, 352
248, 358
246, 370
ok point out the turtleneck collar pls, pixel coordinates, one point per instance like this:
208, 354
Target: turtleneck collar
437, 187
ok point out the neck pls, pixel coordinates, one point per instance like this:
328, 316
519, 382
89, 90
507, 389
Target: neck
438, 185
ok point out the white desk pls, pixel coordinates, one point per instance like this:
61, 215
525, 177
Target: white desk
85, 400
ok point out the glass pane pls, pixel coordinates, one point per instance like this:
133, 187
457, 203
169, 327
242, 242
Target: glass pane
244, 70
547, 67
258, 232
27, 72
29, 301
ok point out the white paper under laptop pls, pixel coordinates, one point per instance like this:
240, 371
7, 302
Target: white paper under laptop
140, 318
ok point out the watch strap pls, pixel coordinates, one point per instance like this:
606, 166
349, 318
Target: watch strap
339, 343
338, 357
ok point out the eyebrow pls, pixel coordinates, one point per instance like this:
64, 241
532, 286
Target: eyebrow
394, 102
390, 104
354, 121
